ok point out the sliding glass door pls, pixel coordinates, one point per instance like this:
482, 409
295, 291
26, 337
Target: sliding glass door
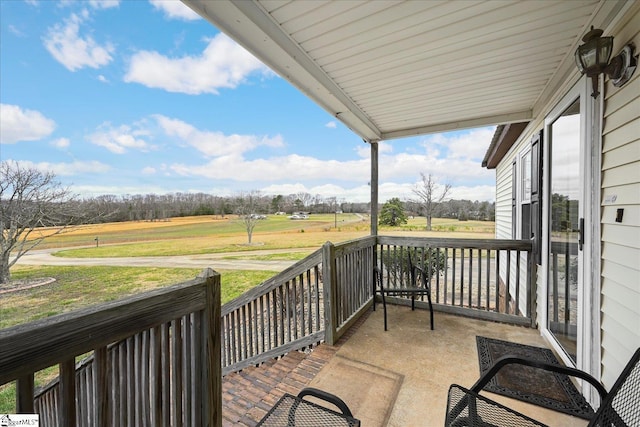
566, 227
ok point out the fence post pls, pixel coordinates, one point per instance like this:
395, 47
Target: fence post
329, 286
212, 349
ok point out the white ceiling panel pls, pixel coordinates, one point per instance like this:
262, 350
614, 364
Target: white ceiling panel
389, 69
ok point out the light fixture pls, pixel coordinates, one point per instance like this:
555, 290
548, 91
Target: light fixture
592, 59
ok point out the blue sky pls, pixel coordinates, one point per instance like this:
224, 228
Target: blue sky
139, 97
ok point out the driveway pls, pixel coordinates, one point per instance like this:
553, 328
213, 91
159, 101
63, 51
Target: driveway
216, 261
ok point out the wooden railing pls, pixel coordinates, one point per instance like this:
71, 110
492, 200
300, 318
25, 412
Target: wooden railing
156, 360
282, 314
487, 279
348, 273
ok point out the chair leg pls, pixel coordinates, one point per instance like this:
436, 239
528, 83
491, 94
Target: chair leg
384, 308
413, 302
430, 307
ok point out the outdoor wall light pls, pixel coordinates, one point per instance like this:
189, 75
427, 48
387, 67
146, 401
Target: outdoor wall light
592, 59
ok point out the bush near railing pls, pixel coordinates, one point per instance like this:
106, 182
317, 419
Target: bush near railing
397, 264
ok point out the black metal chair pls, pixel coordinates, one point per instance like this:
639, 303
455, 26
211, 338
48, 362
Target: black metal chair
419, 284
620, 407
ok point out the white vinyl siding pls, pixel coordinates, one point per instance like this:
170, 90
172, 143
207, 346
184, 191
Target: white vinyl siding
620, 292
503, 200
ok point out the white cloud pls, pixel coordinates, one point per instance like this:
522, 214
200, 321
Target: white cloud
364, 149
68, 169
61, 143
17, 124
149, 170
223, 64
470, 144
104, 4
287, 168
16, 31
121, 139
479, 192
331, 125
175, 9
103, 79
215, 143
74, 51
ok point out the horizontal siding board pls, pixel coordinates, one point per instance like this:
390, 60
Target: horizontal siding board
624, 115
628, 194
621, 254
616, 352
623, 301
626, 134
622, 155
621, 234
631, 215
621, 175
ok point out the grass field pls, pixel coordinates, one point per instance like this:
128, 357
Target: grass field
76, 287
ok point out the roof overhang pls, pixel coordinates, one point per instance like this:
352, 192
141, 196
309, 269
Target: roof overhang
503, 139
390, 69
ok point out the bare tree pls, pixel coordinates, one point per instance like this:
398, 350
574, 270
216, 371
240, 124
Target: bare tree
430, 193
247, 207
33, 206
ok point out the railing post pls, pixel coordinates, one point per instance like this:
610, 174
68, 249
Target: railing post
67, 414
212, 357
24, 394
329, 291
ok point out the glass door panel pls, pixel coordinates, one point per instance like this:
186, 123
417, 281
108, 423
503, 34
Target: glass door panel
565, 229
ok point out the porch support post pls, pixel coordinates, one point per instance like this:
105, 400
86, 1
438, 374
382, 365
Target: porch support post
374, 187
329, 288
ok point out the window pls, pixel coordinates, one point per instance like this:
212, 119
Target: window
525, 203
521, 197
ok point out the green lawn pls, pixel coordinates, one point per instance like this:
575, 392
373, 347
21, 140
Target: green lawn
77, 287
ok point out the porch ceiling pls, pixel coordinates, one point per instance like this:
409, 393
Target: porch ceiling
390, 69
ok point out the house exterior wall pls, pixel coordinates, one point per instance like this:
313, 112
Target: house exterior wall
619, 189
620, 272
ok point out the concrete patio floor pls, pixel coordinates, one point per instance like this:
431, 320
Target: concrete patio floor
401, 377
396, 378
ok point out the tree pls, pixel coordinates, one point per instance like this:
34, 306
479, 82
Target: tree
392, 213
430, 194
247, 208
33, 207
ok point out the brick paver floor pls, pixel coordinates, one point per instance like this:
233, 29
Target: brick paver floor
249, 394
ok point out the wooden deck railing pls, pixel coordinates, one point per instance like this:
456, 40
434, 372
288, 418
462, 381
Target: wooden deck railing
282, 314
156, 360
487, 279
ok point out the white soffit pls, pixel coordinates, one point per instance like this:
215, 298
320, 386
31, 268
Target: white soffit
390, 69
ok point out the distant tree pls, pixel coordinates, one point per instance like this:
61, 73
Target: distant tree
392, 213
33, 207
430, 193
248, 207
277, 202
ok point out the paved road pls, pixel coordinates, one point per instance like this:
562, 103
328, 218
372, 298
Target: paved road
215, 261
